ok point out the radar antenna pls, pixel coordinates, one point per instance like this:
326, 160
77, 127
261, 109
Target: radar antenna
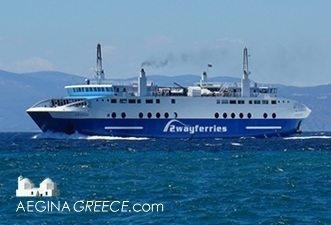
99, 73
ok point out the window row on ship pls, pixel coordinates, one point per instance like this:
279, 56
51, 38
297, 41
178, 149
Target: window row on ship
92, 89
173, 101
166, 115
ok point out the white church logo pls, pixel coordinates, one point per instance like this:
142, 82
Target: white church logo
27, 189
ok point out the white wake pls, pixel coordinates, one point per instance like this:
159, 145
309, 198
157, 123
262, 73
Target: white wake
307, 137
78, 136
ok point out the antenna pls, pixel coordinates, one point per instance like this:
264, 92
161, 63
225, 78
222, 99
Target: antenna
99, 73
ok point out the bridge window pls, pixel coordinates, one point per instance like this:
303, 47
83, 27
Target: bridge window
257, 102
149, 101
225, 101
132, 101
241, 101
113, 100
218, 101
232, 101
273, 102
265, 102
250, 102
157, 101
138, 101
102, 89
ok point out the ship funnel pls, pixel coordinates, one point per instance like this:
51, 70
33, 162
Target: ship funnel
245, 82
142, 72
204, 77
142, 83
99, 73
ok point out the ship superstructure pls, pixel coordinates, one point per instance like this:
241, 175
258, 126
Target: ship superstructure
142, 109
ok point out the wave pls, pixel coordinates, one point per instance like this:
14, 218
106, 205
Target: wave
307, 137
78, 136
235, 144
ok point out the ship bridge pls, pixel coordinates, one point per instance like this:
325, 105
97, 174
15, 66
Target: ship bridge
90, 90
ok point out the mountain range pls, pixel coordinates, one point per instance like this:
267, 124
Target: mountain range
20, 91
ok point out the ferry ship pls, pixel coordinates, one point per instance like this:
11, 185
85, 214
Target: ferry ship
142, 109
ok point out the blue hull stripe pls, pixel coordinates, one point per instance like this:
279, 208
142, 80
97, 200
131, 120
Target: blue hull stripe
175, 128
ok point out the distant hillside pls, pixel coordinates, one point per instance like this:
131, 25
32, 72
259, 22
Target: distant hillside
20, 91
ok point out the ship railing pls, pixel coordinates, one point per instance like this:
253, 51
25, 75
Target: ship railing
43, 103
53, 103
82, 103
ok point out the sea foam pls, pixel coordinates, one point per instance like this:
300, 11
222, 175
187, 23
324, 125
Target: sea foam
78, 136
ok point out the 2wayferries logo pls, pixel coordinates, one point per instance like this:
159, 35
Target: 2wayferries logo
176, 126
48, 188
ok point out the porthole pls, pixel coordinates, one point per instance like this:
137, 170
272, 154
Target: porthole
166, 115
216, 115
265, 115
149, 115
123, 115
141, 115
241, 115
225, 115
113, 115
233, 115
108, 115
175, 114
274, 115
249, 115
158, 115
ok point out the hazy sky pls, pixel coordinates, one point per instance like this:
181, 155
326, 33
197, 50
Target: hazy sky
289, 40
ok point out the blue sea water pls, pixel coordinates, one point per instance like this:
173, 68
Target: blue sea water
207, 181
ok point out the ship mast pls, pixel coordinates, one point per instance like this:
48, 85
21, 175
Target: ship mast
99, 73
245, 82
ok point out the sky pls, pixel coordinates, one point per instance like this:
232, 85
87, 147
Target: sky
289, 42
